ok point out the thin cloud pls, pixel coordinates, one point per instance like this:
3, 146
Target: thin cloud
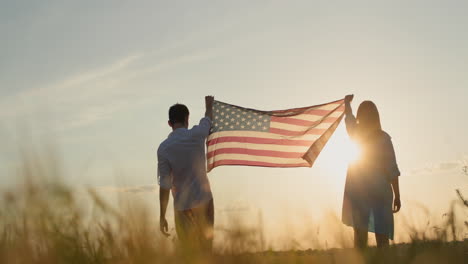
85, 98
55, 89
445, 166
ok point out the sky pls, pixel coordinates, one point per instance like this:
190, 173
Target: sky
95, 79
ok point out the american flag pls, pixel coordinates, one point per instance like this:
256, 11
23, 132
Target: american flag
284, 138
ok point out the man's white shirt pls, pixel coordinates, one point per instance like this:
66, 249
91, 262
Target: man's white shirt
182, 166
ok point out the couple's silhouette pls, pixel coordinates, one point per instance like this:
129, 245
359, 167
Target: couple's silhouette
371, 194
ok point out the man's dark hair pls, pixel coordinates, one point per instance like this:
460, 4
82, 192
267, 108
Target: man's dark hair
178, 113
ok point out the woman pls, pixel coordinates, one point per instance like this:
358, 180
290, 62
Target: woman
368, 195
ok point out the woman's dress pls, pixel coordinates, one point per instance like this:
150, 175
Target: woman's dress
368, 195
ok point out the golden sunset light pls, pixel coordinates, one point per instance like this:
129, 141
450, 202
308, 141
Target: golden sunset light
299, 131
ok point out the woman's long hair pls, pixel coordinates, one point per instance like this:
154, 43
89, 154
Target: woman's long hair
368, 120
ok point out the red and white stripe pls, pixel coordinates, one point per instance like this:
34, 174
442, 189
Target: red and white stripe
292, 133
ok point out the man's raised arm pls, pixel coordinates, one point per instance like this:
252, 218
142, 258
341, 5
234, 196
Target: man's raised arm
203, 128
209, 100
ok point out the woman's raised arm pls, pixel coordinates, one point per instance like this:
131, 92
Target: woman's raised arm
350, 120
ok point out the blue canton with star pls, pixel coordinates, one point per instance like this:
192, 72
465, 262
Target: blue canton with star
229, 118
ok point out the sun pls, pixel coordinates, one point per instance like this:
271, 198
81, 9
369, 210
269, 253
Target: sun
340, 151
350, 151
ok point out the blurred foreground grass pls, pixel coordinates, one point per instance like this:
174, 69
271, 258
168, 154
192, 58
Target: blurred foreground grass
43, 221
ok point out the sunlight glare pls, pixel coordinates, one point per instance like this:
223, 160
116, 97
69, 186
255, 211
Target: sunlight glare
352, 152
340, 152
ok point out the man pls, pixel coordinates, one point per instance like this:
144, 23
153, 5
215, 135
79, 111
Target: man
182, 169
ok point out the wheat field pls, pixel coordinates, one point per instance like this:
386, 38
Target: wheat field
42, 220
